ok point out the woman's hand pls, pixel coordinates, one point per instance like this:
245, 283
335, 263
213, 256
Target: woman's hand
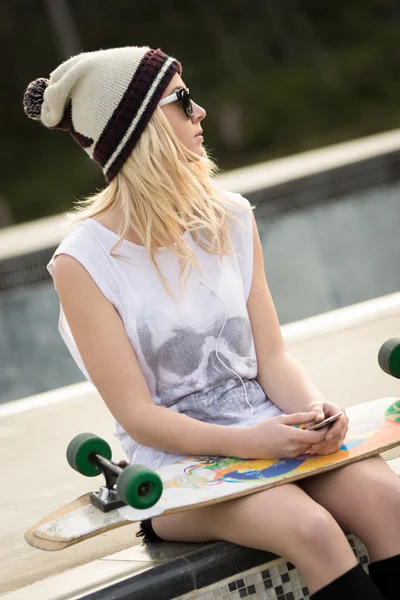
335, 433
278, 438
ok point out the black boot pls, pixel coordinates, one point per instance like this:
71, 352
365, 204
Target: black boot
352, 584
386, 576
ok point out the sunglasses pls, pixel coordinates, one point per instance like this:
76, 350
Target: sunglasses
183, 97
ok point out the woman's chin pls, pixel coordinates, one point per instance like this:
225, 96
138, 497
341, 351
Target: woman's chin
199, 150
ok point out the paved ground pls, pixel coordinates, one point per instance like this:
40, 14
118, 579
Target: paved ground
39, 480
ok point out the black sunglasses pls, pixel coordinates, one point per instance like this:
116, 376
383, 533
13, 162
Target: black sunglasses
183, 97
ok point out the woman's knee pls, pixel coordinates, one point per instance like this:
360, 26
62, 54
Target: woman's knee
285, 521
385, 499
375, 490
317, 532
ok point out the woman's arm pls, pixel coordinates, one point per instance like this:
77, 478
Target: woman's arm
286, 382
282, 377
115, 371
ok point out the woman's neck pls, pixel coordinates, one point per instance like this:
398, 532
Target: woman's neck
113, 221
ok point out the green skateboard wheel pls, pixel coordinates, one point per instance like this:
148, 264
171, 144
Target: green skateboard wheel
389, 357
139, 486
80, 452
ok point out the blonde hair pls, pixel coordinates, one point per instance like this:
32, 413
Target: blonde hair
163, 189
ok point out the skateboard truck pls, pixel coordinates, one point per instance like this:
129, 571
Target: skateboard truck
133, 485
107, 498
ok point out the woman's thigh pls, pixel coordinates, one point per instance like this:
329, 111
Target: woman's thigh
278, 520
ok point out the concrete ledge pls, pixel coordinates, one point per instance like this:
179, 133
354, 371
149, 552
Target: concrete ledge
326, 186
322, 174
195, 571
216, 571
342, 319
306, 164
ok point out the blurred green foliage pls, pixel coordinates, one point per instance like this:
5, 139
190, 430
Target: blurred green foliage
275, 76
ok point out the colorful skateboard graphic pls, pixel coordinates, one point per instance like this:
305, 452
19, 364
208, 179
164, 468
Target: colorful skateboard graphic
198, 481
370, 428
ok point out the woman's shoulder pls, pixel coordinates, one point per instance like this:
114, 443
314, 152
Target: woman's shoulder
236, 202
238, 206
234, 196
78, 241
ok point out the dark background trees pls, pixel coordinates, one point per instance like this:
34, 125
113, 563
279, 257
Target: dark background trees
276, 77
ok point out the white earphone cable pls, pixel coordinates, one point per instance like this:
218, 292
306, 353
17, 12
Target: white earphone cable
216, 352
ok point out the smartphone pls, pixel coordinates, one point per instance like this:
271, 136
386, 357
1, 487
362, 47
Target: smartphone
327, 421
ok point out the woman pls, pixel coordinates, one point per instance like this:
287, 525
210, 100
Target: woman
179, 334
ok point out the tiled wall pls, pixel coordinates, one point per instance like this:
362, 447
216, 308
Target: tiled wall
278, 580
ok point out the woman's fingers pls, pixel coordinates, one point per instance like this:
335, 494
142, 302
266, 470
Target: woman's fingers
338, 429
334, 437
309, 436
297, 418
326, 447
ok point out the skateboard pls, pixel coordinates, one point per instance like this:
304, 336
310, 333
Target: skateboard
133, 493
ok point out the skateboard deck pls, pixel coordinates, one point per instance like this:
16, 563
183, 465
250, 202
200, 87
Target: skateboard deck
199, 481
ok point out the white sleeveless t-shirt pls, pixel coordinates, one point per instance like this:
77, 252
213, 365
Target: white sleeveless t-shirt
186, 367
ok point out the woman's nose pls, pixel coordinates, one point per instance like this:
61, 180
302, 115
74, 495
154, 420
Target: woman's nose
199, 113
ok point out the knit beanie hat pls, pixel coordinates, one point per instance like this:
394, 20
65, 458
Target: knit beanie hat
104, 99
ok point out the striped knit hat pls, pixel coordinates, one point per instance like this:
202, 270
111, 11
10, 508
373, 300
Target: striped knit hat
104, 99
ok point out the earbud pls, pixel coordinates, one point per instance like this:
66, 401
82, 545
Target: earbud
216, 351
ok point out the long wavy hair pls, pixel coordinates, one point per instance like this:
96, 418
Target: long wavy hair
162, 190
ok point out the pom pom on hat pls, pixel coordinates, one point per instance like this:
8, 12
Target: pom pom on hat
33, 98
